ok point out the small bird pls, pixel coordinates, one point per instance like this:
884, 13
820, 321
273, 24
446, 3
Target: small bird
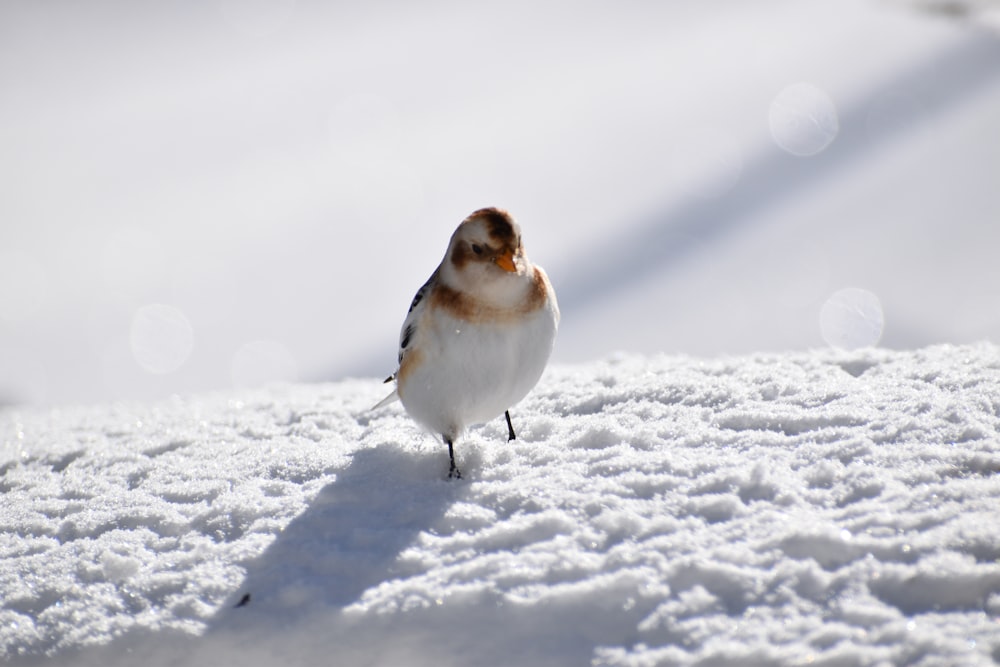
478, 333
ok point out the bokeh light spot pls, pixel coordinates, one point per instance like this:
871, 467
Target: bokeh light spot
852, 318
803, 119
161, 338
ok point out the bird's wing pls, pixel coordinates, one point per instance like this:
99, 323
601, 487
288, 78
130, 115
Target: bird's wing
409, 328
407, 332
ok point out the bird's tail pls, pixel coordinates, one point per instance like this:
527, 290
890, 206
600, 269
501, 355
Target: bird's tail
391, 398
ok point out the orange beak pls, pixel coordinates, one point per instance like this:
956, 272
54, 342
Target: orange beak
506, 261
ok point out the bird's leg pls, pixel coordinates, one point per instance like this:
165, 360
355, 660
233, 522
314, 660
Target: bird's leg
510, 427
453, 472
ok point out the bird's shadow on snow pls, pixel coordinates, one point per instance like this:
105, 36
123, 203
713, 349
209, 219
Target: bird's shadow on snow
347, 541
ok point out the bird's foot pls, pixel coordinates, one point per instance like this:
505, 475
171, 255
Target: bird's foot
453, 472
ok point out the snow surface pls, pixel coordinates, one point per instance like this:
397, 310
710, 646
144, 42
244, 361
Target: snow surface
824, 508
192, 189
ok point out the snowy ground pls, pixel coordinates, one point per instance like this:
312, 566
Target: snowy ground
193, 191
825, 508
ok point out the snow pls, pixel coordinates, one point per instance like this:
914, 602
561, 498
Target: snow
821, 508
190, 219
712, 179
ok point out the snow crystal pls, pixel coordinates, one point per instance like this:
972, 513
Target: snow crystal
835, 507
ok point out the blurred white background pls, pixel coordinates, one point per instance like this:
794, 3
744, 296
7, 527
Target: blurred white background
197, 195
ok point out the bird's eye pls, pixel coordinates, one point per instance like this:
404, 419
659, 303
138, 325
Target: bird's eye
476, 248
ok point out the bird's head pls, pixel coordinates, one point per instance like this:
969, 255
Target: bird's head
485, 251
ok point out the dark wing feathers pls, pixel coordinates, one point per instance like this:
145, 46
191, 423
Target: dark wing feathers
419, 296
405, 338
410, 323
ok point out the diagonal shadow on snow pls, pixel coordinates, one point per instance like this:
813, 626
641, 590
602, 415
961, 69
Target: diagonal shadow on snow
346, 542
943, 80
688, 230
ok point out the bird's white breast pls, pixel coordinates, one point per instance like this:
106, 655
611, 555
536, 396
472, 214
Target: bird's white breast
469, 373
